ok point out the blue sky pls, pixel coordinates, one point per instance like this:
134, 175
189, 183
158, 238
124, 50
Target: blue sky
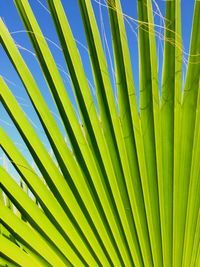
12, 20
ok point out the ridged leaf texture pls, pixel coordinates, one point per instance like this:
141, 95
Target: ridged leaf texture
125, 190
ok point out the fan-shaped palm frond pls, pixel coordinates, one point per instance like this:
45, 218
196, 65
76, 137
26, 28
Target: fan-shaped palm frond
125, 190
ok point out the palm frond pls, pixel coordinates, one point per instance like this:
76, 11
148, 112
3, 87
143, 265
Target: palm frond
125, 190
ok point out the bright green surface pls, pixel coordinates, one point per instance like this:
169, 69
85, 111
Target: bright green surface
126, 192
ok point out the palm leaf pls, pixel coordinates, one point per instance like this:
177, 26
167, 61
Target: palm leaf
125, 190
